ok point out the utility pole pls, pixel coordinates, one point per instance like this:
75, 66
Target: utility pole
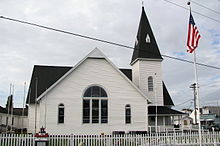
193, 86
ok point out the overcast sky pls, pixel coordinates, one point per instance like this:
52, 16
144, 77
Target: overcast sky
23, 46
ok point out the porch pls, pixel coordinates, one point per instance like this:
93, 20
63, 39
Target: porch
164, 119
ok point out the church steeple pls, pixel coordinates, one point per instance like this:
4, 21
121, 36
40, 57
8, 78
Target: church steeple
145, 44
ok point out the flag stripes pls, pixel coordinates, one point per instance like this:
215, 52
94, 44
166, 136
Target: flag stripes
193, 35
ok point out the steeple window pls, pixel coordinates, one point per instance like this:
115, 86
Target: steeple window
150, 84
147, 38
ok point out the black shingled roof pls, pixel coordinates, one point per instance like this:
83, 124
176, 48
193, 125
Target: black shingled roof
3, 110
16, 111
127, 72
48, 75
163, 110
142, 49
167, 100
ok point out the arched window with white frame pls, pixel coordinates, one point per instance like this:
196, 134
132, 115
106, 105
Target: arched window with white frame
150, 83
61, 113
95, 105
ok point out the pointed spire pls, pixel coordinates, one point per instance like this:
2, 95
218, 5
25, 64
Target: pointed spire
145, 44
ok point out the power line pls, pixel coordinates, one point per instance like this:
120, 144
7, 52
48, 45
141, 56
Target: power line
99, 40
184, 60
193, 11
66, 32
183, 102
205, 7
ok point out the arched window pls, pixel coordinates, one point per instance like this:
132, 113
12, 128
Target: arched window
127, 114
61, 113
95, 105
150, 83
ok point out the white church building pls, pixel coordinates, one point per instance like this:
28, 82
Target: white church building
97, 97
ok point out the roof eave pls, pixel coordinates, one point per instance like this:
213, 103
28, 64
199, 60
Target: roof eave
146, 59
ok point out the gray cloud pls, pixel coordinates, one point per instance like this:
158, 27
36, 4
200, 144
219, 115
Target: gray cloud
22, 46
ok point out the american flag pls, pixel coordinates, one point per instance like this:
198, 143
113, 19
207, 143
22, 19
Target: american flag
193, 35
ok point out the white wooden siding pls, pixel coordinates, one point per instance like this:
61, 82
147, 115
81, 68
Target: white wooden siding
70, 91
141, 70
31, 118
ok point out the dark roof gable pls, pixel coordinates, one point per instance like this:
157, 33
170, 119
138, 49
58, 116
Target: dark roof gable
16, 111
163, 110
45, 76
167, 100
127, 72
145, 44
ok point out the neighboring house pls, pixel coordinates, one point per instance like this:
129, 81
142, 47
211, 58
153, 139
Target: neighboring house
210, 116
211, 110
186, 123
14, 119
195, 116
187, 111
95, 96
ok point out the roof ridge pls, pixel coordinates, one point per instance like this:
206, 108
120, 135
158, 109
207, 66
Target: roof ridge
50, 66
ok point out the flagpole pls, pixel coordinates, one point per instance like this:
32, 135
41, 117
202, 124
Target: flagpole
192, 43
22, 122
197, 96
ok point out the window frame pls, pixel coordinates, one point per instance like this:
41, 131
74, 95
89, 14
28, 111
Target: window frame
150, 83
101, 97
127, 116
61, 106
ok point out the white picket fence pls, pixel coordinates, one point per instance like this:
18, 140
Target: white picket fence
165, 139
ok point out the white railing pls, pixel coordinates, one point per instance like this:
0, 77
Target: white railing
193, 128
208, 138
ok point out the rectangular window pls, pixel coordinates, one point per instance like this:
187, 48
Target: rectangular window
104, 111
128, 116
185, 122
61, 115
150, 84
95, 111
86, 111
